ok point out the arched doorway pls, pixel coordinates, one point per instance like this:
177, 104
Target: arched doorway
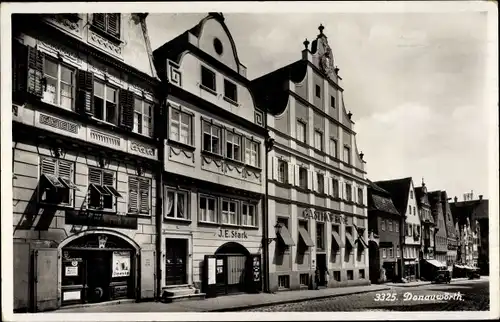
97, 266
374, 261
232, 261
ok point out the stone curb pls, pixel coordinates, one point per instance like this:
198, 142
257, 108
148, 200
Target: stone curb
253, 306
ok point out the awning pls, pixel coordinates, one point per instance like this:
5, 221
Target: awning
69, 184
386, 244
435, 263
53, 180
361, 243
349, 239
106, 190
285, 235
113, 191
337, 239
305, 237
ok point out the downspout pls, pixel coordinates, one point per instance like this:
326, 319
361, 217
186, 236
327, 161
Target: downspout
402, 236
265, 226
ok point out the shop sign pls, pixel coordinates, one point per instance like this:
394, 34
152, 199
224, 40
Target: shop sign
96, 219
324, 216
229, 233
121, 264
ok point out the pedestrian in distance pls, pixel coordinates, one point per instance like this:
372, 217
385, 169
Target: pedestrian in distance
327, 276
317, 278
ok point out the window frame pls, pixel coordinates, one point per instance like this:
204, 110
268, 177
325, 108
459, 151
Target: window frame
139, 199
389, 225
334, 154
360, 196
249, 152
106, 25
230, 83
303, 170
382, 224
384, 253
173, 122
318, 91
59, 81
302, 125
320, 185
144, 105
348, 192
283, 167
105, 101
216, 209
348, 149
176, 193
219, 145
336, 188
391, 252
213, 76
103, 188
69, 186
318, 135
332, 101
240, 145
242, 215
236, 211
320, 243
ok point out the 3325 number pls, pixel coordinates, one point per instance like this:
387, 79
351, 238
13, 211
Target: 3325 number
389, 297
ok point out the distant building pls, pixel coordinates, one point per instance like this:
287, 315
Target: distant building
317, 186
471, 217
424, 209
384, 223
403, 196
440, 235
451, 231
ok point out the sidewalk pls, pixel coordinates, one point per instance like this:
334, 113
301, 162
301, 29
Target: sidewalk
227, 303
421, 283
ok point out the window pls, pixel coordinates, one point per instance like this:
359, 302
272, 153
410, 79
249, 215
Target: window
335, 186
282, 171
56, 181
283, 281
303, 178
105, 102
304, 279
347, 155
390, 225
396, 225
252, 155
391, 253
211, 138
360, 196
233, 146
208, 209
350, 275
362, 273
332, 101
229, 212
398, 253
248, 215
411, 194
320, 236
108, 22
348, 192
384, 253
321, 182
181, 127
336, 276
318, 140
382, 224
409, 209
415, 212
318, 91
301, 131
230, 91
139, 196
177, 205
208, 78
60, 84
102, 192
143, 120
410, 228
333, 148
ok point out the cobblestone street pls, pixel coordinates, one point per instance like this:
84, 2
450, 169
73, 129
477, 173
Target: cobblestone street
475, 297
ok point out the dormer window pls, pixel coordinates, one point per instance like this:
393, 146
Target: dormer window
107, 22
230, 91
208, 78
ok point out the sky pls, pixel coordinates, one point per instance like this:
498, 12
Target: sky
413, 81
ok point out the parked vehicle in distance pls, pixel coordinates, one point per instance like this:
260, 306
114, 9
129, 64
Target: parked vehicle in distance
473, 274
442, 276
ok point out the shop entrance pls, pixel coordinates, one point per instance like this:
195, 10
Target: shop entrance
233, 258
321, 265
176, 258
97, 268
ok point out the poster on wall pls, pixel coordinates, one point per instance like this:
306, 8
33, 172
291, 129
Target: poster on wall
71, 271
121, 264
211, 271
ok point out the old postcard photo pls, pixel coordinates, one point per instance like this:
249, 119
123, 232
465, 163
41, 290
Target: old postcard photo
250, 159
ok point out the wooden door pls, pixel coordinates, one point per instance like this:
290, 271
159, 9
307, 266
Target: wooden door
46, 292
147, 274
236, 272
176, 257
98, 275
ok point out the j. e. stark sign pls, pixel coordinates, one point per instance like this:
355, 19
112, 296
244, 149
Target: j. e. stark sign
324, 216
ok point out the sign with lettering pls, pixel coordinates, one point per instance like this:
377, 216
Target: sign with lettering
92, 218
324, 216
229, 233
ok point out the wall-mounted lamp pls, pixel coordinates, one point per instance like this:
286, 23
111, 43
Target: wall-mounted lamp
277, 228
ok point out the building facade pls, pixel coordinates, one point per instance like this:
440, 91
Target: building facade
317, 187
85, 162
440, 232
403, 195
383, 236
214, 179
452, 233
424, 209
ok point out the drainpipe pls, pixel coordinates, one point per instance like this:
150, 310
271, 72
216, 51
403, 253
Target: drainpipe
265, 226
402, 243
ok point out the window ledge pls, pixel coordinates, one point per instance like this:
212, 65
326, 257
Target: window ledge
55, 205
108, 36
181, 145
208, 89
139, 215
249, 227
236, 162
212, 223
255, 168
319, 151
304, 190
230, 101
165, 218
103, 211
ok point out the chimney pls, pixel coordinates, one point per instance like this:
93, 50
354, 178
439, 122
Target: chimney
456, 199
480, 197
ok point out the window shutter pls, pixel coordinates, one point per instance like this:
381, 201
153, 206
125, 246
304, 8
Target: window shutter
114, 24
108, 179
65, 170
275, 168
133, 192
85, 92
144, 195
126, 109
291, 171
297, 174
310, 179
48, 166
35, 71
98, 20
19, 68
329, 189
95, 176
